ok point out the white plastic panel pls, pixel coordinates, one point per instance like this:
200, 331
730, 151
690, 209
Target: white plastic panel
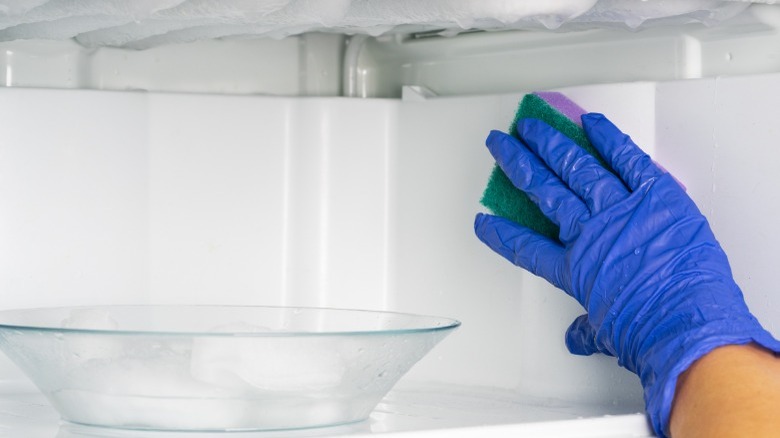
74, 187
513, 322
337, 211
145, 197
215, 196
498, 62
339, 202
721, 137
319, 202
305, 65
193, 199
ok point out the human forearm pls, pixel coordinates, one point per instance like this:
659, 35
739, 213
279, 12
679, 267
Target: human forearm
734, 391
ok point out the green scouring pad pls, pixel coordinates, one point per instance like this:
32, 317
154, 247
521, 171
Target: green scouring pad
501, 197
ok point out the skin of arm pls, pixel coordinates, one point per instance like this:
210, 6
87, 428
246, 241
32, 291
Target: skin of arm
734, 391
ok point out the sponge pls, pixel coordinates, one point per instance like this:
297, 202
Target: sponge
501, 197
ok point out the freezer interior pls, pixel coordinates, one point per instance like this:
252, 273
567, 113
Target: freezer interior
345, 171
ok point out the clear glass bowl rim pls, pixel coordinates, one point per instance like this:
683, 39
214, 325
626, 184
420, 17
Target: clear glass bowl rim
445, 323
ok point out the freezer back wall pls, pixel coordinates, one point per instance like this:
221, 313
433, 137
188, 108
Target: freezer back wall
130, 197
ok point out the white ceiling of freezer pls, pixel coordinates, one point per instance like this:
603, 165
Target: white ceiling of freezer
147, 23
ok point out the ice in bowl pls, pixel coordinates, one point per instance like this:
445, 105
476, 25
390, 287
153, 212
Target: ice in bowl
215, 368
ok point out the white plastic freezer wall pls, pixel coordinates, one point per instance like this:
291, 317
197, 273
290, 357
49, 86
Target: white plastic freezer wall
169, 175
126, 197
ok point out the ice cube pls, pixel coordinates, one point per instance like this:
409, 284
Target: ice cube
277, 362
82, 347
90, 319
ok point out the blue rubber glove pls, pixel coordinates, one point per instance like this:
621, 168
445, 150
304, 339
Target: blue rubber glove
635, 251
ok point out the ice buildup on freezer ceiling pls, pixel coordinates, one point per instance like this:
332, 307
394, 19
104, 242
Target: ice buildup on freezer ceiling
147, 23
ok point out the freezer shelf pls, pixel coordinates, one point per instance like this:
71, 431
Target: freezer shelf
410, 410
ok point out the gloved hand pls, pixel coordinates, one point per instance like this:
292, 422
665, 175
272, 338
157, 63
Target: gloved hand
636, 253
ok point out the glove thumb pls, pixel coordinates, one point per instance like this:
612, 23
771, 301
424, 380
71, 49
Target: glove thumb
581, 337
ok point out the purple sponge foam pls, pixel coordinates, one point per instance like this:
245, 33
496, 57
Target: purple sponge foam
574, 112
563, 104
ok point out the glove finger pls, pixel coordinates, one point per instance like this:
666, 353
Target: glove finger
632, 164
581, 338
583, 173
523, 247
529, 174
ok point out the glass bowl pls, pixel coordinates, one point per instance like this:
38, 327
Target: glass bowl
216, 368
